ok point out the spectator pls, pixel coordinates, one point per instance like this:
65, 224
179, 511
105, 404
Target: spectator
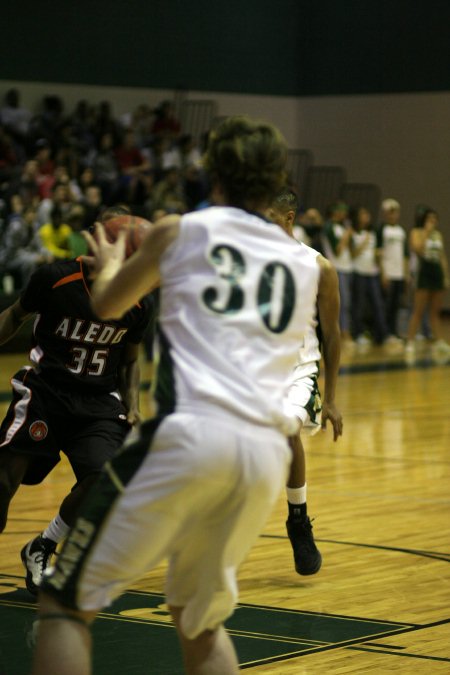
76, 221
81, 122
85, 180
48, 122
60, 196
168, 193
310, 229
166, 124
392, 251
432, 278
337, 239
13, 117
366, 286
106, 124
141, 122
68, 149
132, 165
55, 235
22, 251
92, 205
194, 188
104, 164
8, 156
160, 157
27, 183
46, 167
188, 152
425, 328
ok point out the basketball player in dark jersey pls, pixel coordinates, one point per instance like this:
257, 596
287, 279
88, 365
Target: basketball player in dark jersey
79, 396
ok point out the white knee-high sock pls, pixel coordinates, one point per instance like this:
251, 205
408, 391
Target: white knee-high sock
57, 530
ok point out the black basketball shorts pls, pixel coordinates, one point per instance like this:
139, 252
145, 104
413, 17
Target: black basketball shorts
43, 421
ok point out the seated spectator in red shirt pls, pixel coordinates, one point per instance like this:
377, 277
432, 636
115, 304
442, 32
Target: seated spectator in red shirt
166, 124
46, 167
132, 165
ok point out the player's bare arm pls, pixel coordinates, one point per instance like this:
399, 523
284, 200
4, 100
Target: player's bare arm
11, 320
119, 283
129, 382
328, 305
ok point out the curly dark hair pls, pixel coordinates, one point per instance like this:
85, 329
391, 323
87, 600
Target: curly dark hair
247, 158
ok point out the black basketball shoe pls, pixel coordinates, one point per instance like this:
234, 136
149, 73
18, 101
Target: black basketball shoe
306, 554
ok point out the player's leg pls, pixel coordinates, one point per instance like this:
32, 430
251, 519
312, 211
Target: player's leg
88, 449
211, 653
232, 508
391, 306
64, 639
441, 348
296, 483
435, 303
378, 311
304, 397
37, 553
307, 557
26, 454
92, 568
421, 297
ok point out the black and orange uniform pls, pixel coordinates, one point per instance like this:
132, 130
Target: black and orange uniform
68, 399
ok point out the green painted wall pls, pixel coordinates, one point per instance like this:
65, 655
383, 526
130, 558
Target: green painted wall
278, 47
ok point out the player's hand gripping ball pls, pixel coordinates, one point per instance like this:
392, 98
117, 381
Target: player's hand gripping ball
136, 228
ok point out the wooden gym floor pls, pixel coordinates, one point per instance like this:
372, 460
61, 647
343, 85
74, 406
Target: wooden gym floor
381, 503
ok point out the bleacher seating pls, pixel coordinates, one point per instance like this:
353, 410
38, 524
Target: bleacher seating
197, 117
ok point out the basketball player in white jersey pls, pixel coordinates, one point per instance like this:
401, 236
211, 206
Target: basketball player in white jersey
304, 394
197, 483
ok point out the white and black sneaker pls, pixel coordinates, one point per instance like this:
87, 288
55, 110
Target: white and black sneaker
35, 558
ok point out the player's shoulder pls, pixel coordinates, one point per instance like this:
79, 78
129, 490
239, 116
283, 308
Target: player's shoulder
52, 272
307, 254
309, 250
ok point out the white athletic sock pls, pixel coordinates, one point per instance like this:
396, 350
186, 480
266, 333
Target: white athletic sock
296, 495
57, 530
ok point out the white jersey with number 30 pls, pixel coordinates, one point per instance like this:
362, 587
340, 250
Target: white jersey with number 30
237, 296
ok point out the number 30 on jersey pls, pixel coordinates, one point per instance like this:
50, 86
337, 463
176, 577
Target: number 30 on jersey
274, 292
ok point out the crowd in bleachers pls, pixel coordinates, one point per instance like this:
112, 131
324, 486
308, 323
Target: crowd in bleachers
59, 169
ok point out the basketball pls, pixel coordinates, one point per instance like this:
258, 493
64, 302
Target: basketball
137, 228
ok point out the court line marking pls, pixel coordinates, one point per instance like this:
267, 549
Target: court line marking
445, 557
405, 654
354, 643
